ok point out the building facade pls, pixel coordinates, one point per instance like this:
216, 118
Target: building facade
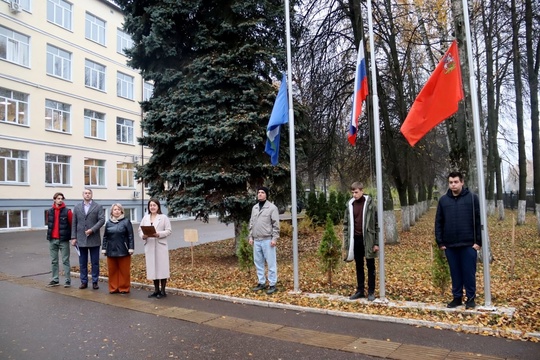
69, 109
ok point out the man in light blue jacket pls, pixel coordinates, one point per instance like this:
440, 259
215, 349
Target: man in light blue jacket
263, 235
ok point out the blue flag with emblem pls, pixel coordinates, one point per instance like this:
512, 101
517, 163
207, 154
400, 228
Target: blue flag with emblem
278, 117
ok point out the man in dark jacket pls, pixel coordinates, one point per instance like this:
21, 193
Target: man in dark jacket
59, 233
88, 218
458, 233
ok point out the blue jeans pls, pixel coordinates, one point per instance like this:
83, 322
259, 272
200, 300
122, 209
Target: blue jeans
262, 251
83, 263
56, 245
462, 263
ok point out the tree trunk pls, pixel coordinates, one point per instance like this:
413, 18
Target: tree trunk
521, 212
390, 227
532, 75
518, 87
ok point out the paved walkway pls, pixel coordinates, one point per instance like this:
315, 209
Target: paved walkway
171, 308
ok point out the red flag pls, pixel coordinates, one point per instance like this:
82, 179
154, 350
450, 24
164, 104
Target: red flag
438, 100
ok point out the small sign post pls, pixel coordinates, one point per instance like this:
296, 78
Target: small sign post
191, 236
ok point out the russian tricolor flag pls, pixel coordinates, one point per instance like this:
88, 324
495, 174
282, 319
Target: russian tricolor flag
360, 92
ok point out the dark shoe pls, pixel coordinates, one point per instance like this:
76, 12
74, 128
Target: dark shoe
272, 289
154, 294
161, 295
95, 286
114, 292
371, 297
53, 283
83, 286
259, 287
470, 304
67, 284
124, 292
357, 295
454, 303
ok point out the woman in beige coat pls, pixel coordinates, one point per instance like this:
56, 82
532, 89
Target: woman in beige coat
156, 249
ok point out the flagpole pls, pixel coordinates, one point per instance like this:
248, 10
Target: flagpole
479, 160
292, 151
378, 158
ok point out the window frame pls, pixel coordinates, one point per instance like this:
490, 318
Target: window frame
57, 112
24, 218
18, 103
93, 123
125, 85
123, 41
60, 12
61, 57
18, 164
95, 29
95, 72
56, 165
16, 50
125, 175
123, 126
98, 167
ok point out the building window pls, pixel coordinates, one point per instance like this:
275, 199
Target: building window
125, 175
123, 41
13, 219
148, 90
124, 85
131, 214
94, 124
95, 29
13, 166
94, 75
94, 172
13, 107
57, 169
14, 47
58, 62
124, 131
60, 12
57, 116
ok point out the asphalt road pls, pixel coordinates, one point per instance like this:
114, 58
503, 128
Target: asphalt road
41, 323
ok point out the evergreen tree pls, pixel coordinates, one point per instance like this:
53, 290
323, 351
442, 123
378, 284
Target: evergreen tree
330, 250
333, 209
244, 251
322, 209
212, 65
439, 269
311, 208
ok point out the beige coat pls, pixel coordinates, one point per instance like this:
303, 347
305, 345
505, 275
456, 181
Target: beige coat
156, 250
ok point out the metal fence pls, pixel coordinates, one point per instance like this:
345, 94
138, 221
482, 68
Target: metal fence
510, 200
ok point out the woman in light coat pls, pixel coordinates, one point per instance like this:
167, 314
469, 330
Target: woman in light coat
156, 248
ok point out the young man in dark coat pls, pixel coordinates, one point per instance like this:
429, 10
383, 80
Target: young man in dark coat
59, 233
458, 233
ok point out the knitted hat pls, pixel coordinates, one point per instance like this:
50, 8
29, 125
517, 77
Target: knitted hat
265, 189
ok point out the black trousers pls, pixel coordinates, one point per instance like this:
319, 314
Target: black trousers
359, 255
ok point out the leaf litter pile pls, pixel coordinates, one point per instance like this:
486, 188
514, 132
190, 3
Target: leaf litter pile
515, 276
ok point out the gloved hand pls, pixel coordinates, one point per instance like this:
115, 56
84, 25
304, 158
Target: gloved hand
130, 251
103, 252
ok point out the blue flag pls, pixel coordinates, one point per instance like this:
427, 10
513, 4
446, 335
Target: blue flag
280, 116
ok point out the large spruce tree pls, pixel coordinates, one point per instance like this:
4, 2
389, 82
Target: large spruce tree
212, 64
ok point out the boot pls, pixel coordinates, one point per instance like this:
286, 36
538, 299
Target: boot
162, 294
156, 290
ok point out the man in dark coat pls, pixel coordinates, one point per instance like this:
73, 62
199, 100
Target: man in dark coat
88, 218
458, 233
59, 233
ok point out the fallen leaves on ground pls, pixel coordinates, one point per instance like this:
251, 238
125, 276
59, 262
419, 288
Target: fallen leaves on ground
515, 278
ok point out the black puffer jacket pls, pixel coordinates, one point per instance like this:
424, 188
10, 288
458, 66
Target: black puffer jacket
457, 222
118, 238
